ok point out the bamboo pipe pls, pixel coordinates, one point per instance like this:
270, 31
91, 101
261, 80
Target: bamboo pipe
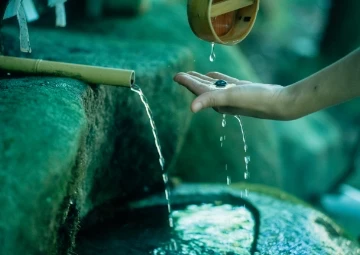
89, 74
228, 6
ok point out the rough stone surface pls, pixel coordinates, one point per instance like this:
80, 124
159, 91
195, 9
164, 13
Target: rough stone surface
97, 147
39, 146
282, 224
99, 137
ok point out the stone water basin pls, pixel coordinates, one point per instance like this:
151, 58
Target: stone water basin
215, 219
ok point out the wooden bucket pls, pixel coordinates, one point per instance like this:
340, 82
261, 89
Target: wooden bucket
222, 21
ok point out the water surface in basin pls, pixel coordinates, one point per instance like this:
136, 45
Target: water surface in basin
199, 229
210, 229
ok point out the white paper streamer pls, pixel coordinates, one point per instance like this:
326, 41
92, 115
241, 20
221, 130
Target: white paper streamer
24, 32
52, 3
60, 11
60, 15
25, 11
30, 10
12, 9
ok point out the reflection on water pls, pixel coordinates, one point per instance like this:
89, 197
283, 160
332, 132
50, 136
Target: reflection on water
209, 229
199, 229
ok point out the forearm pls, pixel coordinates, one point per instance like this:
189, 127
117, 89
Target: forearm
333, 85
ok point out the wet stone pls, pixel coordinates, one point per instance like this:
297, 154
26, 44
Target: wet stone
266, 222
64, 138
83, 137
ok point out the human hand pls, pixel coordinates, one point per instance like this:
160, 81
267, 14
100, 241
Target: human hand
238, 97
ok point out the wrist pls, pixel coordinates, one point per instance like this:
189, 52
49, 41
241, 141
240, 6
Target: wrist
288, 103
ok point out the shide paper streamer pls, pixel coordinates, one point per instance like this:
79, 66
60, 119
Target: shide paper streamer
30, 10
25, 11
60, 11
24, 32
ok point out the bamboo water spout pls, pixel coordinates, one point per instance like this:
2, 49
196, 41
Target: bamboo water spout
86, 73
222, 21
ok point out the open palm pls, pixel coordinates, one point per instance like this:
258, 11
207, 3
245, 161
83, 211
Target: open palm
238, 97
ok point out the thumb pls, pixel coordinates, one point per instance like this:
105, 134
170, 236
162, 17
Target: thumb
209, 99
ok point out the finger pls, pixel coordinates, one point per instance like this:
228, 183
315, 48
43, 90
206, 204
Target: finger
215, 98
217, 75
227, 78
202, 76
195, 86
206, 82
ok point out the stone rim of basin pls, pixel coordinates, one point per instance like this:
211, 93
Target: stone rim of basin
285, 222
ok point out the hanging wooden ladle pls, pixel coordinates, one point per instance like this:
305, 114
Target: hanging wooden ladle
222, 21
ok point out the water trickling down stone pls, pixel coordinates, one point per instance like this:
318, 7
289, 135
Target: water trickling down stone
138, 90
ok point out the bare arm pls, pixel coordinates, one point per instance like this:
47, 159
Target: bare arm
333, 85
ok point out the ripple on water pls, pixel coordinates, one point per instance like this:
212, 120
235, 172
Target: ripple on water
209, 229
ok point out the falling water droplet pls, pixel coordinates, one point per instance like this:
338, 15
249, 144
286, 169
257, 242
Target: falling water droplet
165, 178
166, 194
212, 53
162, 162
246, 193
171, 222
247, 159
221, 138
246, 175
228, 180
223, 123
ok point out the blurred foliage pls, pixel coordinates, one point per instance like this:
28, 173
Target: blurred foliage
292, 39
284, 32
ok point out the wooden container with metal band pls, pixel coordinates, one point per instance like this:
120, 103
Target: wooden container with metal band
222, 21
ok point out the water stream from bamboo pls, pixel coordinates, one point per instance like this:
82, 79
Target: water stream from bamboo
165, 177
